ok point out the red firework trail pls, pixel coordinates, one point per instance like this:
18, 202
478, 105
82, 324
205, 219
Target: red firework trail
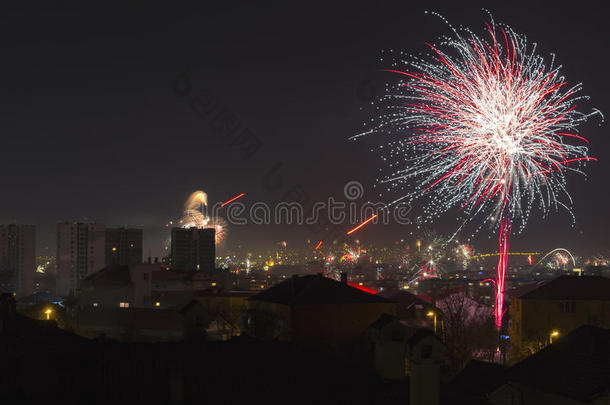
362, 224
501, 272
318, 245
232, 199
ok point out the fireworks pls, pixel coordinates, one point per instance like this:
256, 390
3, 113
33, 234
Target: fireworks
351, 255
195, 215
372, 217
237, 197
492, 132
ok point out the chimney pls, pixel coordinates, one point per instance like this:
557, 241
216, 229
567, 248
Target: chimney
344, 277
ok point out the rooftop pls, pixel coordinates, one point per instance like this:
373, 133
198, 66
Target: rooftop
315, 290
576, 365
113, 274
571, 288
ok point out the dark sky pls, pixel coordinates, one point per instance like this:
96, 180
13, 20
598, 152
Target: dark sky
92, 127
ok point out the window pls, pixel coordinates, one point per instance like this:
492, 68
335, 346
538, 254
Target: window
124, 304
567, 306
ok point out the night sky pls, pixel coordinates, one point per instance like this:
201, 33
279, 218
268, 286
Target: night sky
93, 127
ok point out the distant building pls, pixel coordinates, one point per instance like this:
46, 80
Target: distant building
123, 246
193, 249
80, 252
555, 308
141, 286
17, 259
143, 324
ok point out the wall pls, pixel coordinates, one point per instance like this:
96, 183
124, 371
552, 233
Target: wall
532, 322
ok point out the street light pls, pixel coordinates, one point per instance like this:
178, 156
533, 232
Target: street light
48, 312
432, 314
553, 334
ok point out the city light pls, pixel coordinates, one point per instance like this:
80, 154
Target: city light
554, 334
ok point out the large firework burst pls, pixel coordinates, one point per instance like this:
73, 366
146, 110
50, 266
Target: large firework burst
491, 130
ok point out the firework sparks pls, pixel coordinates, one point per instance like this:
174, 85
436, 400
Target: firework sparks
490, 129
195, 215
352, 255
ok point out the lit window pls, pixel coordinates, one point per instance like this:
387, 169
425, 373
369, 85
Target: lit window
124, 305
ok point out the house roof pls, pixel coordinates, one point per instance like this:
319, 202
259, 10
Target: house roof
576, 366
40, 297
383, 320
113, 274
315, 290
479, 378
419, 335
405, 298
571, 288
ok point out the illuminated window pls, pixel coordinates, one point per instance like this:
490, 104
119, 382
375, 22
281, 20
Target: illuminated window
124, 304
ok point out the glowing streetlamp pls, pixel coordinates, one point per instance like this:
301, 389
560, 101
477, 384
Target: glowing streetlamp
432, 314
48, 313
554, 334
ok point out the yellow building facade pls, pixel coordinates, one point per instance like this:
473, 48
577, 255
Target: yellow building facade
554, 309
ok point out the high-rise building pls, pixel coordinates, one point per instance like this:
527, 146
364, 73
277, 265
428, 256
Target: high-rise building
17, 259
193, 248
81, 250
123, 246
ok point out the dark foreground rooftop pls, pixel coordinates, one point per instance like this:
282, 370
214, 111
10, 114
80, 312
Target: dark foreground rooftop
41, 363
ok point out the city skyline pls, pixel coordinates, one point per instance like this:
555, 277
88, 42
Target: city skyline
213, 202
